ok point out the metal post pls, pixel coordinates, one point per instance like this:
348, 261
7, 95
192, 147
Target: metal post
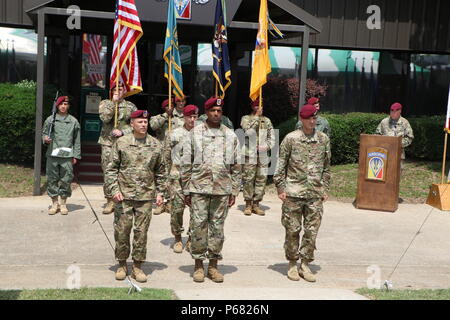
303, 68
39, 104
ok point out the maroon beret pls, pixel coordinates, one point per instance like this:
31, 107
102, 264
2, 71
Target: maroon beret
396, 106
180, 99
113, 85
165, 103
189, 110
255, 103
61, 100
139, 114
212, 102
308, 111
312, 101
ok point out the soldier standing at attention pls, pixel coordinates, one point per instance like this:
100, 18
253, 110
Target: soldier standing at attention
396, 126
133, 176
302, 179
174, 146
225, 120
109, 134
260, 138
322, 123
62, 153
210, 182
160, 125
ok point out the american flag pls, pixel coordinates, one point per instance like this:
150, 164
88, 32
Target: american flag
93, 46
127, 20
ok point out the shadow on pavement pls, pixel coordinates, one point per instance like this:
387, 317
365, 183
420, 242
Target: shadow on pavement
170, 241
147, 267
282, 268
74, 207
241, 207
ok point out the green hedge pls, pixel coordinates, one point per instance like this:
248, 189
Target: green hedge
346, 128
17, 121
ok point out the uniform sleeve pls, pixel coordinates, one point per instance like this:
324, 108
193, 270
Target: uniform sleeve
408, 136
248, 123
327, 128
326, 175
187, 163
379, 130
76, 141
167, 152
279, 178
227, 122
160, 174
236, 173
271, 134
112, 171
106, 111
298, 125
157, 122
45, 128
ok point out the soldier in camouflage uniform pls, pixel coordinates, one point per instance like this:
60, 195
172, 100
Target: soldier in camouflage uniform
109, 134
62, 153
173, 153
210, 179
160, 125
135, 174
302, 179
396, 126
225, 120
322, 123
260, 138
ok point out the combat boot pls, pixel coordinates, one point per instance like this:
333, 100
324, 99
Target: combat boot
178, 244
110, 205
137, 273
168, 208
305, 272
62, 206
248, 208
121, 272
188, 245
213, 272
55, 206
292, 273
199, 272
257, 210
159, 209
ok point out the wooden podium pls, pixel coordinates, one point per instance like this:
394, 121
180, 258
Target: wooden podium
379, 172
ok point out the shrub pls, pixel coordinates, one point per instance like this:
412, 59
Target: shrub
346, 128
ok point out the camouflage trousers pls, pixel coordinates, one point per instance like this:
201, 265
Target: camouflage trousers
254, 177
125, 212
106, 155
294, 210
177, 203
59, 173
208, 214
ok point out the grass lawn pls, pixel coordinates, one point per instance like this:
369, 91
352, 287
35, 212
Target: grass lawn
87, 294
422, 294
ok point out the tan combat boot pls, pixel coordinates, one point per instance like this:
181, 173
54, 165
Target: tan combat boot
199, 272
188, 244
121, 272
55, 206
248, 208
137, 273
168, 208
159, 209
213, 272
62, 206
292, 273
110, 205
305, 272
178, 244
257, 210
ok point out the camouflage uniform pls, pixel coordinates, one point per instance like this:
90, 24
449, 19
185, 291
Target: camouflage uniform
135, 170
160, 123
210, 177
322, 125
225, 120
254, 172
64, 147
400, 128
106, 140
173, 151
303, 172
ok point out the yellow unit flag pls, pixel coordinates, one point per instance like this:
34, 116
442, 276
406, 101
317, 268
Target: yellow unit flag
261, 62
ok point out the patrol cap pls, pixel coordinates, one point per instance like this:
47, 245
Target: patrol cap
190, 110
212, 102
139, 114
255, 103
308, 111
396, 106
312, 101
62, 99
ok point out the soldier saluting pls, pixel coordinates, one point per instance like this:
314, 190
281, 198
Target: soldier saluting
134, 176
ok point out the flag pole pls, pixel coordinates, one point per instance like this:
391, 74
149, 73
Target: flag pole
116, 110
170, 90
216, 88
444, 157
260, 106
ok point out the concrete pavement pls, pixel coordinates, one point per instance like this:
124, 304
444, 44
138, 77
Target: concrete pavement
355, 247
